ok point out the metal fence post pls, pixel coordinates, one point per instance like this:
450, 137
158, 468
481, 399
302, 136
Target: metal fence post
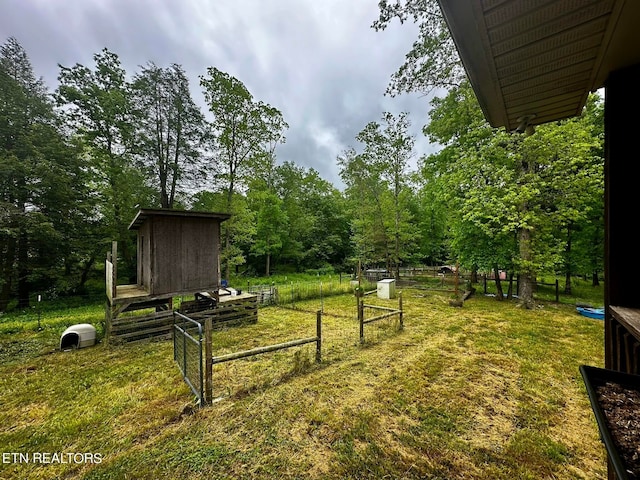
361, 319
319, 336
175, 353
203, 401
184, 350
208, 353
400, 308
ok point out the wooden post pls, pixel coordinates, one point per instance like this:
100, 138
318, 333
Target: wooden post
208, 366
319, 336
557, 292
361, 318
400, 308
109, 318
457, 278
114, 262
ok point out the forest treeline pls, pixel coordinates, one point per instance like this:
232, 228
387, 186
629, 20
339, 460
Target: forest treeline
76, 164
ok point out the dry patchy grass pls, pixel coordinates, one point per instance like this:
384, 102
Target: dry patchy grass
489, 391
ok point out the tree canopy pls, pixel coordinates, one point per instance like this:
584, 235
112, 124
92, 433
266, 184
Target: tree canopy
76, 164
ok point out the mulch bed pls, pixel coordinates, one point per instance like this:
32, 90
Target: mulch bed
621, 408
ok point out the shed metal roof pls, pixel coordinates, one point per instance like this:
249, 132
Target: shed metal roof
541, 58
146, 213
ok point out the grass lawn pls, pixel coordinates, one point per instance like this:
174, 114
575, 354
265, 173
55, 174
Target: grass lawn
487, 391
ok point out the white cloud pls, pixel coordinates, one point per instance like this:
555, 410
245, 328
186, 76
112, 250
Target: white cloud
320, 63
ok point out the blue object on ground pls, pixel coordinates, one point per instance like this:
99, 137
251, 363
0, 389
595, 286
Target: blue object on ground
597, 313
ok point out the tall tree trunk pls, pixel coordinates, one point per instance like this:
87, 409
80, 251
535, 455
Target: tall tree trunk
7, 274
23, 270
510, 289
567, 271
397, 228
496, 275
232, 162
525, 288
474, 274
86, 268
524, 235
567, 283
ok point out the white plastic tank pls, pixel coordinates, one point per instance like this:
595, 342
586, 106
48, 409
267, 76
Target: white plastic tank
387, 288
78, 336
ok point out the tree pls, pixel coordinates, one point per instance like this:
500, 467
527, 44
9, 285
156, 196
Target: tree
270, 227
43, 196
433, 61
97, 106
318, 229
169, 129
245, 133
390, 149
506, 187
432, 216
571, 178
365, 192
379, 178
241, 235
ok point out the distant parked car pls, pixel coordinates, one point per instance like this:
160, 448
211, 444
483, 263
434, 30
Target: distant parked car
447, 269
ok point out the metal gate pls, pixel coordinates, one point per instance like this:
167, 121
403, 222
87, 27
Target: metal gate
187, 352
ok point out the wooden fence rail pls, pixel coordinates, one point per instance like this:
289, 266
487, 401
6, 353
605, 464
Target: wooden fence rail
259, 350
390, 312
211, 360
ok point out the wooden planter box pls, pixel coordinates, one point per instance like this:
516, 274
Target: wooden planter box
615, 400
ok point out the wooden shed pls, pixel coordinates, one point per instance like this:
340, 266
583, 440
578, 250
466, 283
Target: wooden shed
178, 255
178, 251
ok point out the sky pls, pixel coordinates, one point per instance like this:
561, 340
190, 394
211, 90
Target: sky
318, 61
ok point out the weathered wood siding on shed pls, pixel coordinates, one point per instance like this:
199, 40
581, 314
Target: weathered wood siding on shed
185, 255
145, 253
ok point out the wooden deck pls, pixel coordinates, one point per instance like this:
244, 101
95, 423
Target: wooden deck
137, 293
128, 292
123, 325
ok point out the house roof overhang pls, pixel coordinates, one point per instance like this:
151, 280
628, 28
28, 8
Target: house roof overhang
539, 59
144, 214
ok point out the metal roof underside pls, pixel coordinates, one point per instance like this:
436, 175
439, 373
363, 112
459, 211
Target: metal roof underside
541, 57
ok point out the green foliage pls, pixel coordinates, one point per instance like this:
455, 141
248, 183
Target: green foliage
169, 130
379, 192
270, 226
317, 231
512, 199
97, 105
433, 61
239, 229
71, 179
44, 197
244, 136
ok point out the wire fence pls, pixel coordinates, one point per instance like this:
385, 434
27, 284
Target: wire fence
296, 295
341, 341
187, 352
